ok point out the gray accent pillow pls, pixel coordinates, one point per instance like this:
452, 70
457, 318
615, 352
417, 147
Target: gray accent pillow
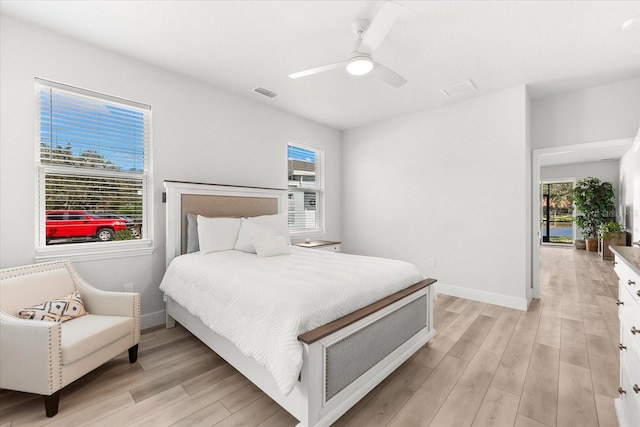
193, 243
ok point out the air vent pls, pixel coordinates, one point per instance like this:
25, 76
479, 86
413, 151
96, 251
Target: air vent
265, 92
459, 89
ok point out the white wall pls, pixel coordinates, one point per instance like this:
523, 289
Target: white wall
200, 133
605, 171
599, 113
451, 184
629, 200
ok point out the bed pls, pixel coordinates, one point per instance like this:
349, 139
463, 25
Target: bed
341, 360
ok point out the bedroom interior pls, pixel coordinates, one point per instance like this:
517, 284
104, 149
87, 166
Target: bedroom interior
448, 184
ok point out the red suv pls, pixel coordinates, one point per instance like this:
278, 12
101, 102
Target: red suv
68, 224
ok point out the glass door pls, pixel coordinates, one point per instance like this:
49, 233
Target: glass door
557, 213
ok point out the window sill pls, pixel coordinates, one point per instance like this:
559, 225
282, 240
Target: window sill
94, 251
307, 233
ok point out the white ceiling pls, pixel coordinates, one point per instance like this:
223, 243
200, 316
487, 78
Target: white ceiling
240, 45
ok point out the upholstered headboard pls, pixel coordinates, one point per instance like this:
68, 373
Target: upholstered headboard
213, 200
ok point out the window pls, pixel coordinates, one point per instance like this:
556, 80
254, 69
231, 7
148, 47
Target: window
93, 173
306, 189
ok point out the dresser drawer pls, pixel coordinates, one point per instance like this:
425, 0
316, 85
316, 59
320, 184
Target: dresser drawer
630, 353
630, 400
628, 310
629, 280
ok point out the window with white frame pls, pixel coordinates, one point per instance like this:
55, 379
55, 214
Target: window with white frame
93, 171
306, 188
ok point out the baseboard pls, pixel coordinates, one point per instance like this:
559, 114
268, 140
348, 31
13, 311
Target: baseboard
152, 319
482, 296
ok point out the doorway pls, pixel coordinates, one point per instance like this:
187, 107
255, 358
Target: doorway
568, 154
556, 218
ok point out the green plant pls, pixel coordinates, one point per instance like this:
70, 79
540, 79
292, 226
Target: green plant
609, 227
124, 235
594, 205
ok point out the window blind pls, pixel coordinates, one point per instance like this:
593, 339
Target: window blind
93, 153
305, 188
90, 132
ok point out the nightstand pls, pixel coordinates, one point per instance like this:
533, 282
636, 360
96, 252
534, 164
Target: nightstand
323, 245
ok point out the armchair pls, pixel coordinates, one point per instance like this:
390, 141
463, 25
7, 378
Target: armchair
42, 357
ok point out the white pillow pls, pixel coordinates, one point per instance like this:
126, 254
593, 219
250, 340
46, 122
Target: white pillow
279, 222
271, 246
217, 234
251, 230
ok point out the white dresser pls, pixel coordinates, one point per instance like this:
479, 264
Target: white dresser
627, 267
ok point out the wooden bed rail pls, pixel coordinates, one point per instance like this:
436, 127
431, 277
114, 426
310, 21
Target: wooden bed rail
325, 330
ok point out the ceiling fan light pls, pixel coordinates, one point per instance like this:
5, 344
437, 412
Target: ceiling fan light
359, 65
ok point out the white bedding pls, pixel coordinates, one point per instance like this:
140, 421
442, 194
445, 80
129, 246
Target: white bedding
263, 304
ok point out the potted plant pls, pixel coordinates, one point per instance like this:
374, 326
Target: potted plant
594, 206
611, 234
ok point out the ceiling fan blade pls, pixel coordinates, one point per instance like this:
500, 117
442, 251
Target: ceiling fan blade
317, 70
387, 75
381, 25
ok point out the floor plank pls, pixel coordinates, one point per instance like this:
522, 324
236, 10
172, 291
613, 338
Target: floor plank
241, 398
576, 401
512, 371
172, 414
573, 347
549, 328
420, 409
499, 408
499, 336
470, 389
386, 403
606, 412
539, 400
207, 416
140, 410
466, 347
252, 414
94, 412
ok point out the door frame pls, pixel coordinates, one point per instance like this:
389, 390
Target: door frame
539, 158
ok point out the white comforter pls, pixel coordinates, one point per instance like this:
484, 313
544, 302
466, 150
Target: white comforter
263, 304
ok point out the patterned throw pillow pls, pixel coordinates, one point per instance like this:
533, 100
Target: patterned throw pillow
59, 310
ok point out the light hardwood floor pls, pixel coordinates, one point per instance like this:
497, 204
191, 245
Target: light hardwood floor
554, 365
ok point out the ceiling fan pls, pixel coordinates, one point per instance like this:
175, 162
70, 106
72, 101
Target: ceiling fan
369, 38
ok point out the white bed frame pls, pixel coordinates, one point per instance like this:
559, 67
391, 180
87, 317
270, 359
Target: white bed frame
308, 401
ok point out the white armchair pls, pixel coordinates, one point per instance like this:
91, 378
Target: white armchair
42, 357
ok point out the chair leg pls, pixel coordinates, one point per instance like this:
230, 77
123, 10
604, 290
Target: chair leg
133, 354
51, 404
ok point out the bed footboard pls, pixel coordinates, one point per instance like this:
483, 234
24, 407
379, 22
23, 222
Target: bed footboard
343, 367
340, 368
373, 343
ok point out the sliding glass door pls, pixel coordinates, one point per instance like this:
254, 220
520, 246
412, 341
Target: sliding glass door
557, 213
